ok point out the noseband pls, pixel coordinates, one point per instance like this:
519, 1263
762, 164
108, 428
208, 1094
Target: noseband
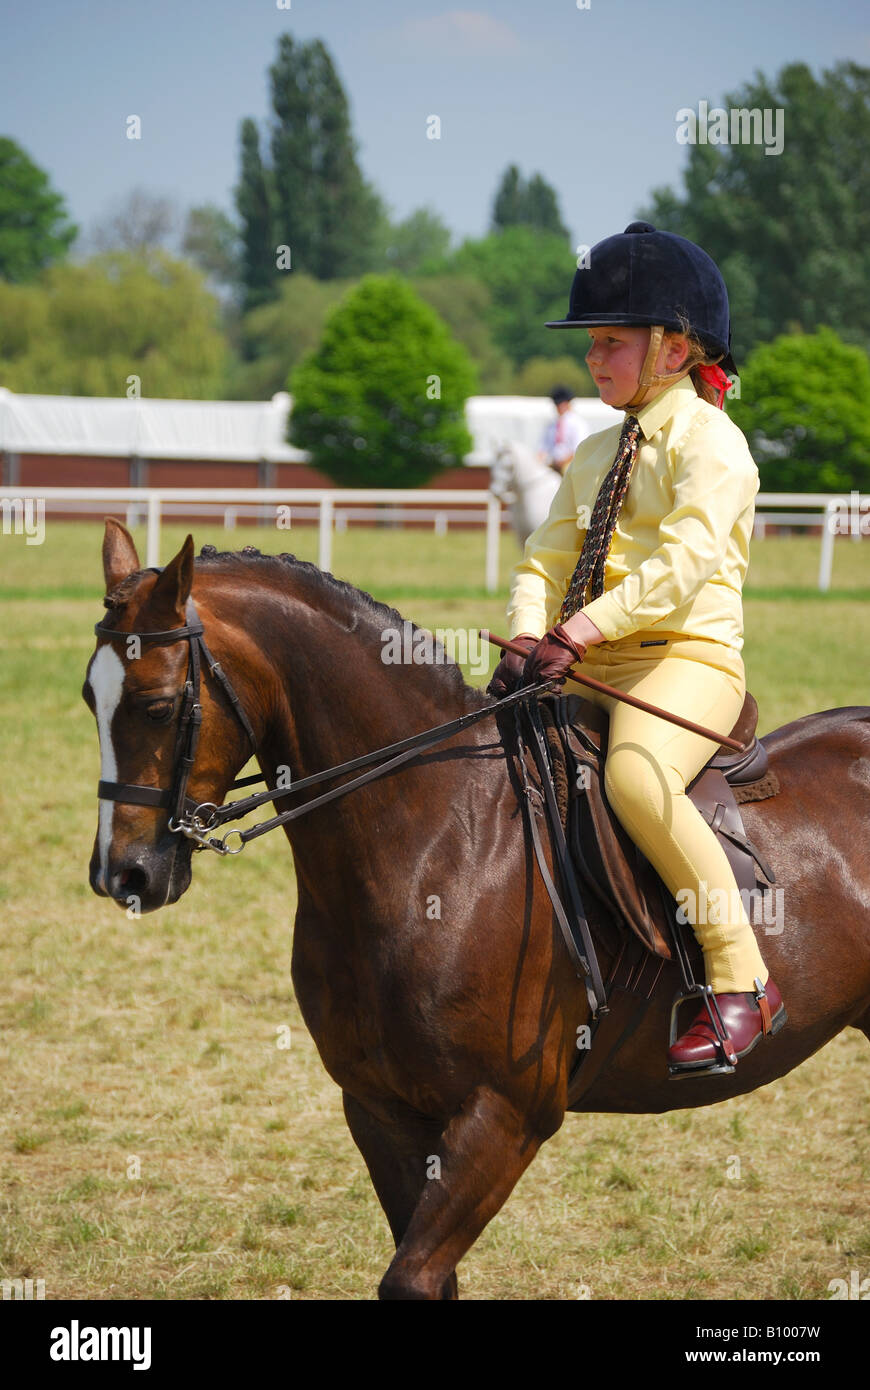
175, 798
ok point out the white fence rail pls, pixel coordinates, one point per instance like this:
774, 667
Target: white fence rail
326, 500
839, 515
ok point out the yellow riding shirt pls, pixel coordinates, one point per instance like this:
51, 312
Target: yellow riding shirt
680, 550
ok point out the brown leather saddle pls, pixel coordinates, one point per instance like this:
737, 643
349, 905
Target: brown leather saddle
620, 880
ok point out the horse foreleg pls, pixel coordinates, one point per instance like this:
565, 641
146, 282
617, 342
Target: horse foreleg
397, 1147
484, 1150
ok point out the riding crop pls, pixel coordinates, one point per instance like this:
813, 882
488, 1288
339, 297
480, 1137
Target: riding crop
593, 684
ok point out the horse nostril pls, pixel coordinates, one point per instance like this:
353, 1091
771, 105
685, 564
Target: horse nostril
130, 882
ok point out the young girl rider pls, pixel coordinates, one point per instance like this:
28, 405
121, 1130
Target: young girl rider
638, 572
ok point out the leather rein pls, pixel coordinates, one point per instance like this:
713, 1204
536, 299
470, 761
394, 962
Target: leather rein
197, 821
193, 819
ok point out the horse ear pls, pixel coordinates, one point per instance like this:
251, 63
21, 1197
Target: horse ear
119, 554
172, 590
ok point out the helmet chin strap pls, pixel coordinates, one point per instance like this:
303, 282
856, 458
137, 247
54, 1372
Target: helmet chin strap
649, 376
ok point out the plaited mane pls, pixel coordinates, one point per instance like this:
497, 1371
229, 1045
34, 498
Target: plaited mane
352, 607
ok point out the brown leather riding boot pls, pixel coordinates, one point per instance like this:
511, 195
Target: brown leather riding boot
746, 1017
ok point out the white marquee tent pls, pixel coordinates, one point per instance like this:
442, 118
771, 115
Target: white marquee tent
234, 430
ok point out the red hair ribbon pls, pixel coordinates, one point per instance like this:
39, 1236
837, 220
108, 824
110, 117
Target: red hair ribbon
715, 377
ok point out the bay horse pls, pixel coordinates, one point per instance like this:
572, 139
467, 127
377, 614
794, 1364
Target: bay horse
425, 959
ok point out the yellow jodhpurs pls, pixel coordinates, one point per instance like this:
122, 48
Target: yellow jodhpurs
649, 762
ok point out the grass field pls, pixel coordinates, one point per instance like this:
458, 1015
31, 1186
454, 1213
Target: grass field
155, 1140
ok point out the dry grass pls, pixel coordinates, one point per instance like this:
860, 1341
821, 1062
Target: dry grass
156, 1142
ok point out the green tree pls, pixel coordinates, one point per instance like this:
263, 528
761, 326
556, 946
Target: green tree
804, 407
34, 229
84, 330
294, 151
272, 338
323, 208
539, 375
463, 303
211, 241
528, 275
419, 238
532, 204
790, 231
254, 204
381, 402
276, 335
543, 207
508, 204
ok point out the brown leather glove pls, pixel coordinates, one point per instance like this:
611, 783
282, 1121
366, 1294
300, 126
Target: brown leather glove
508, 674
553, 657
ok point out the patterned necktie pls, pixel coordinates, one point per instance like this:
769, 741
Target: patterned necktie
602, 524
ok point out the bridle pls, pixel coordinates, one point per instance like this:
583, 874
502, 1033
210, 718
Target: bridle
174, 798
195, 820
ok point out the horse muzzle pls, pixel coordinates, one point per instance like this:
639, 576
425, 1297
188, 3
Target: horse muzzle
142, 878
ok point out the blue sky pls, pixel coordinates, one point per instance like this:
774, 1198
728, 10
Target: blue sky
588, 97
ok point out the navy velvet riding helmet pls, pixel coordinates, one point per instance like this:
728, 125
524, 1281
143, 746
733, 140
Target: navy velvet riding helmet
642, 277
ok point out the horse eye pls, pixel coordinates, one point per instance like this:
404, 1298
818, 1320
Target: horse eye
160, 711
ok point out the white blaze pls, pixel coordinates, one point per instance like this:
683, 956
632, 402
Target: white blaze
107, 681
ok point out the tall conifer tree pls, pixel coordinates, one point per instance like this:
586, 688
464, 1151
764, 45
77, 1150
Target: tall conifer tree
254, 203
313, 194
294, 149
521, 203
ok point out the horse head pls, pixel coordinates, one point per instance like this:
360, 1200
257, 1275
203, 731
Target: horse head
525, 483
155, 707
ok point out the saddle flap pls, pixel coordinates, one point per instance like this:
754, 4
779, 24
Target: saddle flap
609, 862
623, 883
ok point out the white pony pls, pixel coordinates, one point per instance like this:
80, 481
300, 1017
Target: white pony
524, 484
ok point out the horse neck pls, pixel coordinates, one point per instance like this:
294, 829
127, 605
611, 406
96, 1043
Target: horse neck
528, 468
324, 691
